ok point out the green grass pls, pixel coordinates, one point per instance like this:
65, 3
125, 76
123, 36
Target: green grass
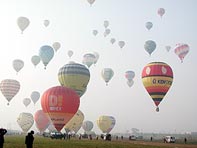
41, 142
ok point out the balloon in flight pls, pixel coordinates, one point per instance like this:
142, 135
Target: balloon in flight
17, 65
46, 23
91, 2
23, 23
107, 32
70, 53
56, 46
35, 95
112, 40
181, 50
9, 88
161, 12
121, 44
46, 53
95, 32
149, 25
88, 59
150, 46
107, 74
35, 59
157, 78
75, 76
106, 23
26, 101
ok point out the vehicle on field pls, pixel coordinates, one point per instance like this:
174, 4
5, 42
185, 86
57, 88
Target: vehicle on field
169, 139
132, 137
56, 135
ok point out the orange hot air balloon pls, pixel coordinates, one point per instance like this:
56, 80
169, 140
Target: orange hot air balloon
61, 104
157, 78
42, 120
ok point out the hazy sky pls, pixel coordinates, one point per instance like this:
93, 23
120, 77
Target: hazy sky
71, 24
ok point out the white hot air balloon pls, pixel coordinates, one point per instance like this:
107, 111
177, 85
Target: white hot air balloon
46, 23
56, 46
23, 23
35, 60
17, 65
26, 101
25, 121
107, 74
35, 95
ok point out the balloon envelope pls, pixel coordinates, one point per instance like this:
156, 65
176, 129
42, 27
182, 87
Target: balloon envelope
46, 53
89, 59
25, 121
9, 88
75, 76
17, 65
35, 95
91, 2
42, 120
106, 123
113, 40
23, 23
46, 23
129, 75
56, 46
61, 104
95, 32
121, 44
87, 125
35, 60
107, 74
149, 25
106, 23
150, 46
26, 101
181, 50
161, 11
157, 78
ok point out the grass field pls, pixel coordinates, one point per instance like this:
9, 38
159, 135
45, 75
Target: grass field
41, 142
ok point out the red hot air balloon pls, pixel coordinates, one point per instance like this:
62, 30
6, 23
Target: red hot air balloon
61, 104
42, 120
157, 78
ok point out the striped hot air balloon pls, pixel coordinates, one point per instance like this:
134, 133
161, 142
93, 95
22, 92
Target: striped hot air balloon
157, 78
181, 50
9, 88
75, 76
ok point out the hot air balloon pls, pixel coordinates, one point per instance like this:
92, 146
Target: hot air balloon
26, 101
88, 59
161, 12
150, 46
107, 32
9, 88
87, 126
23, 23
157, 78
75, 76
91, 2
129, 75
70, 53
106, 23
42, 120
106, 123
95, 32
61, 104
25, 121
35, 60
17, 65
107, 74
168, 48
46, 23
149, 25
113, 40
181, 50
46, 53
35, 95
121, 44
56, 46
75, 123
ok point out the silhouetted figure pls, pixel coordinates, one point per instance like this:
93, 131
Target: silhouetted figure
29, 139
2, 133
185, 140
151, 138
122, 137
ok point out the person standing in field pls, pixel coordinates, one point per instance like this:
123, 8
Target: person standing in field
2, 133
29, 139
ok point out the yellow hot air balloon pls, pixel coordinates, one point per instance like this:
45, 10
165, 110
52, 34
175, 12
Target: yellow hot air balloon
75, 76
75, 123
106, 123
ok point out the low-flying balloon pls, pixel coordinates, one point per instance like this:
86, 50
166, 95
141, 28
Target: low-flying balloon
95, 32
157, 78
46, 53
60, 104
35, 95
56, 46
149, 25
161, 12
25, 121
26, 101
9, 88
112, 40
107, 74
75, 76
46, 23
121, 44
150, 46
17, 64
42, 120
23, 23
35, 59
181, 50
106, 123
